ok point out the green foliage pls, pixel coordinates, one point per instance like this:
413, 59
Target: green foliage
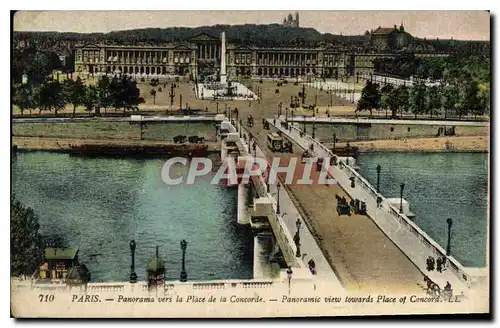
370, 98
418, 99
51, 96
25, 240
24, 97
402, 98
434, 99
91, 98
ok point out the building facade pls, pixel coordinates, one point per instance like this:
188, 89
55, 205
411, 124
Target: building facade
201, 56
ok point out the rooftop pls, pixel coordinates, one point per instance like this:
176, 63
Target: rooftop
60, 253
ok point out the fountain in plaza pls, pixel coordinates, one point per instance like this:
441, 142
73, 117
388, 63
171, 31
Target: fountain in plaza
224, 88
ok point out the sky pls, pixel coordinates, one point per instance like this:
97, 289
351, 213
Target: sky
462, 25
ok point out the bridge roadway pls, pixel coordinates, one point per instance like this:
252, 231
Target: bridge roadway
284, 227
414, 243
361, 255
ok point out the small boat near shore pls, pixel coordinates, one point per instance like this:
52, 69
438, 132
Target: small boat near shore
118, 150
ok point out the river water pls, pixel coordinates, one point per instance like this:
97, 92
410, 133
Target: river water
98, 205
440, 186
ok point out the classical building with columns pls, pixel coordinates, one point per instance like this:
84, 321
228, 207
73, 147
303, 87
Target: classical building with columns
200, 56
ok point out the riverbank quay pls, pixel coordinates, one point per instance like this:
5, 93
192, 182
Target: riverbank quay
63, 145
469, 144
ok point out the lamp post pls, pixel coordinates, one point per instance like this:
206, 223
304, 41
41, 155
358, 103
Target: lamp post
239, 128
184, 275
286, 115
278, 199
298, 224
378, 177
304, 124
133, 275
217, 107
448, 246
401, 200
313, 130
334, 141
348, 146
289, 273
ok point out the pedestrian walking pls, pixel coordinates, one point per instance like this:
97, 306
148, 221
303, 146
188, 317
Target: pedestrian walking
439, 264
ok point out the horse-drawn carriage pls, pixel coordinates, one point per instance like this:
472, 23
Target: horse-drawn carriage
250, 120
306, 155
265, 124
196, 139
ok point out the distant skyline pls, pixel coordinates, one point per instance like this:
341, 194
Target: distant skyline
463, 25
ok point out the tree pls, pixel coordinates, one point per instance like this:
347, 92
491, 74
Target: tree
103, 90
91, 99
370, 98
402, 98
418, 101
153, 93
450, 96
24, 97
74, 92
484, 100
469, 100
385, 97
51, 96
25, 240
434, 99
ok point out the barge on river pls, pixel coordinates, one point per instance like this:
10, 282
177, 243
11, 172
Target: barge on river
118, 150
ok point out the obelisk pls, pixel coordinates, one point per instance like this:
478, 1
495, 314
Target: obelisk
223, 77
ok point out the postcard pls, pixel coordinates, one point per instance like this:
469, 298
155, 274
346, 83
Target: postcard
250, 164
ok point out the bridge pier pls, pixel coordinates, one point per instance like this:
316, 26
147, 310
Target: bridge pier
242, 215
263, 248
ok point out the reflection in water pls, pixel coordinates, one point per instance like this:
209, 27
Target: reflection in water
440, 186
98, 205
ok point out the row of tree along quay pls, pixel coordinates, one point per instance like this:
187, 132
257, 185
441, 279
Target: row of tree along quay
457, 97
461, 86
52, 96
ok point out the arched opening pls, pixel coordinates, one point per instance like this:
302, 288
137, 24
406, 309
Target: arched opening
125, 70
142, 69
287, 73
163, 70
259, 71
147, 70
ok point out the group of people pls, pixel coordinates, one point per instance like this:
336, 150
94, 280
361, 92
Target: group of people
438, 264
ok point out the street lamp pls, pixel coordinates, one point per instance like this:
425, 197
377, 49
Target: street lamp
286, 115
378, 177
133, 275
184, 275
401, 201
278, 198
448, 247
334, 141
298, 224
289, 273
314, 130
239, 128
